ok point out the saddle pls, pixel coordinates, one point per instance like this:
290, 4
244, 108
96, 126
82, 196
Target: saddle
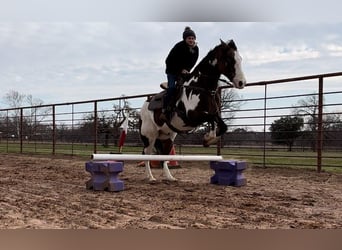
156, 101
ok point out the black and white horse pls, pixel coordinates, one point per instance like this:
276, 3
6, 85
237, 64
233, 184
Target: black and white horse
197, 102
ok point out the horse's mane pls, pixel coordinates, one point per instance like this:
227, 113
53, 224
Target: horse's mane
205, 60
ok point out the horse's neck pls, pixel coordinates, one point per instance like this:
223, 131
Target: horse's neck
207, 76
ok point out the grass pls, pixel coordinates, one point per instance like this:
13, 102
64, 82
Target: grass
331, 161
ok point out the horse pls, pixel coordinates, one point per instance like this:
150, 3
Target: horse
197, 103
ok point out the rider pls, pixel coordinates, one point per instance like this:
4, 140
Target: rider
180, 60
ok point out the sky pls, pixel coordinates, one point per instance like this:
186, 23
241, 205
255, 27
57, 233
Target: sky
76, 57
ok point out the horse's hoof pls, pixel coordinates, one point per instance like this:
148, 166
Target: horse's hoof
152, 181
170, 180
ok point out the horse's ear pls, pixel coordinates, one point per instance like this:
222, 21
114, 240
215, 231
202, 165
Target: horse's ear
231, 43
222, 42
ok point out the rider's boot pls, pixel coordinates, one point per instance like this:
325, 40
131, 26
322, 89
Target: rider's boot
168, 105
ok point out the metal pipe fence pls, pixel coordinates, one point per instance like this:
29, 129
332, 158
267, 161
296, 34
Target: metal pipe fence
87, 127
316, 99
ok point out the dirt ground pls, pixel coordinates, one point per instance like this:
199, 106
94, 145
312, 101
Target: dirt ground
45, 192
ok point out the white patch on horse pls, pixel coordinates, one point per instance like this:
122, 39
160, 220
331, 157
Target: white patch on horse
190, 102
214, 62
178, 123
192, 79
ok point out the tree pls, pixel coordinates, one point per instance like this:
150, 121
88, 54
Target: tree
229, 104
286, 129
308, 108
32, 117
14, 100
108, 123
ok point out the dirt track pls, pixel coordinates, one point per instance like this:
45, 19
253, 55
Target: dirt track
38, 192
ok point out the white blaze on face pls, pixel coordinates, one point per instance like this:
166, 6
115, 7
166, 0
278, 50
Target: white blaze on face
239, 75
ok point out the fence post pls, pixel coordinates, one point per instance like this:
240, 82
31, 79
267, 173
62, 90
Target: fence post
264, 134
320, 125
95, 127
53, 129
219, 143
21, 129
7, 131
72, 128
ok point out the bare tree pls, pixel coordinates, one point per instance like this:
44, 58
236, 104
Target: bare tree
15, 100
230, 103
32, 116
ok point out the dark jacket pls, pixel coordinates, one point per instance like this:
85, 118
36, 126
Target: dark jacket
181, 57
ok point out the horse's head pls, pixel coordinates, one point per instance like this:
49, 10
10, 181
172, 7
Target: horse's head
228, 62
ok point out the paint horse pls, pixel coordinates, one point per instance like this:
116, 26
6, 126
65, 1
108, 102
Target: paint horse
197, 102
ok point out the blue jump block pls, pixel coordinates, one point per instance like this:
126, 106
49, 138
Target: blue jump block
228, 172
104, 175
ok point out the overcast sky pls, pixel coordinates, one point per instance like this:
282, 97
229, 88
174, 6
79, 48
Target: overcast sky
75, 59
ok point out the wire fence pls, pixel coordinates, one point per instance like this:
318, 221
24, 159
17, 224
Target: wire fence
83, 128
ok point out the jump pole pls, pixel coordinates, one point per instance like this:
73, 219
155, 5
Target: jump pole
136, 157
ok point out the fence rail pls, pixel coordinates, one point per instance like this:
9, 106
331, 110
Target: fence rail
87, 127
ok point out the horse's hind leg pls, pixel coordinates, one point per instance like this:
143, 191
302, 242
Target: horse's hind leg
167, 172
148, 170
164, 147
148, 149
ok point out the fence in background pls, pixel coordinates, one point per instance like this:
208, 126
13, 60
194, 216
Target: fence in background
87, 127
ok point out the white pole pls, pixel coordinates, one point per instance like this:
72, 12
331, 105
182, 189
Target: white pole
135, 157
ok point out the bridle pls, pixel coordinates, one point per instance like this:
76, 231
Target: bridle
226, 82
212, 92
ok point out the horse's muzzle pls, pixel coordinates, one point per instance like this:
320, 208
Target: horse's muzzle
241, 84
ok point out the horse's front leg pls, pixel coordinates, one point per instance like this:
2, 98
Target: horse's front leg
210, 137
221, 126
218, 128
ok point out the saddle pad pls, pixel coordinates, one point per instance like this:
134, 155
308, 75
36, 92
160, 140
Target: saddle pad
156, 101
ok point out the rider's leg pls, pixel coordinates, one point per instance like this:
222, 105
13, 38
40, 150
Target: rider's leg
170, 91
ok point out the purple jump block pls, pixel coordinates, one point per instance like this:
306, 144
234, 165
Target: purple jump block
228, 172
104, 175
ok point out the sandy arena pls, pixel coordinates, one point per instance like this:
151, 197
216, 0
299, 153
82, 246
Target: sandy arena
43, 192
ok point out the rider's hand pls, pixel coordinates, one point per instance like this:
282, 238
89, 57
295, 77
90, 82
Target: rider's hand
184, 71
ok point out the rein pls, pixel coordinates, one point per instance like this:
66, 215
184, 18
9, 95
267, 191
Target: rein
226, 82
212, 92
